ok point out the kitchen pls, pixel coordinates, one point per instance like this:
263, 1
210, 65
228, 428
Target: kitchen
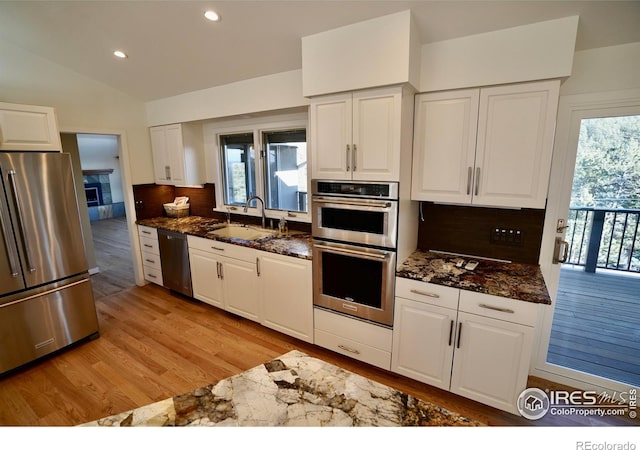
140, 161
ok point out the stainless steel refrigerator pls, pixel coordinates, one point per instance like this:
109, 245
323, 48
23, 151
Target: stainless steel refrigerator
46, 300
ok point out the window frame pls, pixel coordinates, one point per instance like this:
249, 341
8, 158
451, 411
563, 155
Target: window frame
257, 128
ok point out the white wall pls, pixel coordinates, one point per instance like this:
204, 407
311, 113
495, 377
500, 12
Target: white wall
530, 52
604, 69
100, 151
269, 93
81, 104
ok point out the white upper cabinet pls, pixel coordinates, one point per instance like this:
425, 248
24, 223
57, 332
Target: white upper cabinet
177, 154
488, 147
444, 145
28, 128
356, 136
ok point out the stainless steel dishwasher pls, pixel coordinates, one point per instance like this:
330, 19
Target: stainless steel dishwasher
174, 254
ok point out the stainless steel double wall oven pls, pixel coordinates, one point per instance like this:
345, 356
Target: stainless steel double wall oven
354, 228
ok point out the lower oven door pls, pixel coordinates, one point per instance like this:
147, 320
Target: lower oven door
354, 280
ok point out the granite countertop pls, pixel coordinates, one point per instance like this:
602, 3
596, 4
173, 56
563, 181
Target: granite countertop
296, 244
504, 279
292, 390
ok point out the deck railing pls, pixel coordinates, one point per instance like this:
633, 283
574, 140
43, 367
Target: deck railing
604, 238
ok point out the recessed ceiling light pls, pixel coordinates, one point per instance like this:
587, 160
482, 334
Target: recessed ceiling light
120, 54
212, 15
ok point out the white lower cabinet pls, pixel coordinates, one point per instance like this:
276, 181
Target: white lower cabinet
480, 348
150, 251
268, 288
286, 294
225, 275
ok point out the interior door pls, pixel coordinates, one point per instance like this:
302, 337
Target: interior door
572, 111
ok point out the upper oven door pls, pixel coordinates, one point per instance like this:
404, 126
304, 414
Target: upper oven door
364, 221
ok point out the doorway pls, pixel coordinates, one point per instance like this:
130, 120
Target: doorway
99, 182
589, 337
597, 310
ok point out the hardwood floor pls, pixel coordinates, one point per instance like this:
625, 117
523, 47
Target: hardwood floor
113, 257
155, 344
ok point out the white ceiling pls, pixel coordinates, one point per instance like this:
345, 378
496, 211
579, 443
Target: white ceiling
173, 49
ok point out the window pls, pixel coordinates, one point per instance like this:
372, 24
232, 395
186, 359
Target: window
286, 169
239, 167
277, 173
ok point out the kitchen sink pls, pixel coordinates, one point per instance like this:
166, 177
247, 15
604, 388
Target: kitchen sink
243, 232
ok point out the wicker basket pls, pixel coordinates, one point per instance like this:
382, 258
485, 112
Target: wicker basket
174, 210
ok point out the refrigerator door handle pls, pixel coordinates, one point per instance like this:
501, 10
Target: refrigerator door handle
7, 243
25, 239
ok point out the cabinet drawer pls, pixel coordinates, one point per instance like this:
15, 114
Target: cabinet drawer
153, 275
433, 294
507, 309
147, 232
222, 248
151, 260
353, 329
353, 349
149, 245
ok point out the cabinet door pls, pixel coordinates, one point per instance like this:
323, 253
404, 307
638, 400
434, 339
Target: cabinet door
205, 279
28, 128
516, 127
240, 288
175, 153
444, 146
376, 135
287, 296
423, 338
330, 122
491, 362
159, 149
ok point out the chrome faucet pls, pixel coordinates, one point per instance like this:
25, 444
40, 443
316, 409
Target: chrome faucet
255, 197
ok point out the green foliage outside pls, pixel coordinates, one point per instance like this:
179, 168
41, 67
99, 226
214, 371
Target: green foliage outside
608, 164
607, 176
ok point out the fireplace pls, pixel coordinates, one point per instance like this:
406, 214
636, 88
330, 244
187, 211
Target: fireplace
93, 191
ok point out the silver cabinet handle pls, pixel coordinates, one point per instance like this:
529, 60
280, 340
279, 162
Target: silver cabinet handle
477, 180
23, 232
150, 260
167, 172
217, 248
428, 294
349, 349
496, 308
150, 275
469, 173
218, 269
8, 244
146, 232
459, 334
148, 245
353, 157
258, 266
348, 166
221, 272
450, 332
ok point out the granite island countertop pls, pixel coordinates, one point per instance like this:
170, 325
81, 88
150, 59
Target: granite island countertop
292, 390
296, 244
504, 279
